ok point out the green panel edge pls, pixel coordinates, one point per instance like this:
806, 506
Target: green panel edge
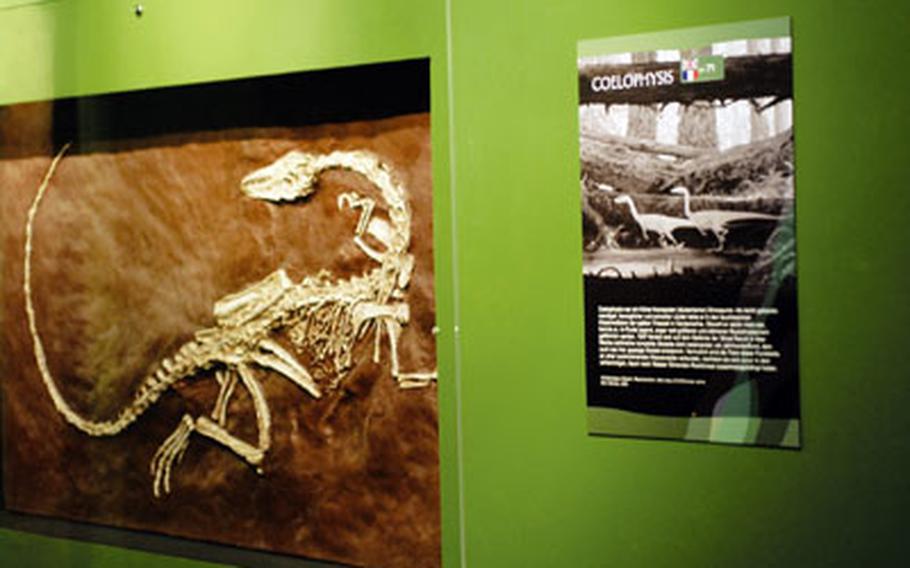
718, 429
685, 38
22, 549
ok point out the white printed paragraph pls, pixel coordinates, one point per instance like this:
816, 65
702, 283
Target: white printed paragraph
697, 338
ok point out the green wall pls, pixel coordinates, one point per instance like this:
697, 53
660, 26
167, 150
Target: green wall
538, 491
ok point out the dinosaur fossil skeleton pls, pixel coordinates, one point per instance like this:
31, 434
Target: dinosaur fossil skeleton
322, 315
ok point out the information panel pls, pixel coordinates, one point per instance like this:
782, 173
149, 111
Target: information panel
687, 194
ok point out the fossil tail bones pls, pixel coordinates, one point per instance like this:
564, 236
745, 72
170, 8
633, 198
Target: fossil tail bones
323, 315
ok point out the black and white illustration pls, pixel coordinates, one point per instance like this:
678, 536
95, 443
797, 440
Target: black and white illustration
688, 181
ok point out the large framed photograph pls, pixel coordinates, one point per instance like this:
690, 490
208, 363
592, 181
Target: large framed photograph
687, 195
219, 313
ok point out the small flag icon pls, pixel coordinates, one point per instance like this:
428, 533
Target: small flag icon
702, 68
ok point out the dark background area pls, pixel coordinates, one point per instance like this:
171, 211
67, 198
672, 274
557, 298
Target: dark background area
129, 120
778, 393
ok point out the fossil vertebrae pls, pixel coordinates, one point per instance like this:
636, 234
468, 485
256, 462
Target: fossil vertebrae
322, 315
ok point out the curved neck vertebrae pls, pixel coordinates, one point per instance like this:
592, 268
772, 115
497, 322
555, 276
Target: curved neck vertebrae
321, 314
252, 313
294, 175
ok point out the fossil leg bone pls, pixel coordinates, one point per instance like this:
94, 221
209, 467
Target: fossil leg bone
173, 448
250, 453
227, 380
170, 451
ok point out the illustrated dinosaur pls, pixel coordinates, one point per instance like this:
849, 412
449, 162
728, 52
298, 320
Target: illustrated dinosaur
322, 315
720, 222
661, 225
